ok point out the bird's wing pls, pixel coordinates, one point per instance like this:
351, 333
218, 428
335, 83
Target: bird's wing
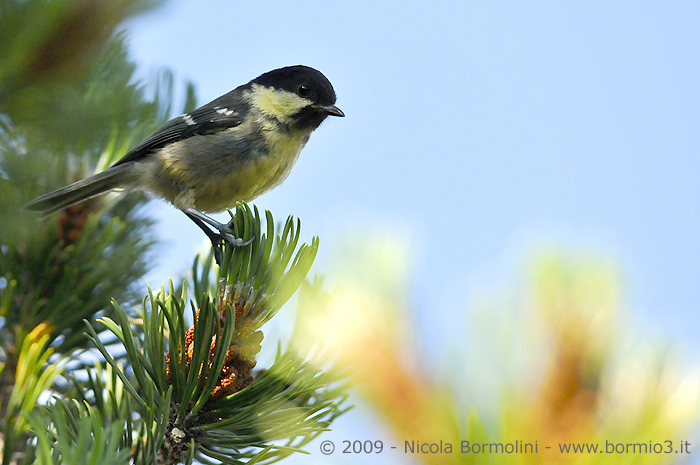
208, 119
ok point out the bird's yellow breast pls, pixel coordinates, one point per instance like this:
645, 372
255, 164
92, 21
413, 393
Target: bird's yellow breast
253, 178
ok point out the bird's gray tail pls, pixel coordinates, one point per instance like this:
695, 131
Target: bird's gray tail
112, 178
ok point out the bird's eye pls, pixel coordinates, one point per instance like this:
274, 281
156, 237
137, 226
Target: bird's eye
303, 90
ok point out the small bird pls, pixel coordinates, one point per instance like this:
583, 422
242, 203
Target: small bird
230, 150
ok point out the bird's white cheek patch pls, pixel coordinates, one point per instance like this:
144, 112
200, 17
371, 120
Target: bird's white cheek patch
278, 103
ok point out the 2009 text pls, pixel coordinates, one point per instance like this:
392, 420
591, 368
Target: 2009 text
367, 447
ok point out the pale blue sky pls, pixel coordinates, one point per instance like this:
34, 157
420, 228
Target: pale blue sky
478, 130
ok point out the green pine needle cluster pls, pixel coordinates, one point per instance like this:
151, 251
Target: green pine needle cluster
279, 410
93, 427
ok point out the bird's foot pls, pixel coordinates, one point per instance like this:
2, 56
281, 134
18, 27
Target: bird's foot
227, 235
223, 233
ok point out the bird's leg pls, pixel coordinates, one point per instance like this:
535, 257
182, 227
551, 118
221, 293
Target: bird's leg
215, 238
223, 232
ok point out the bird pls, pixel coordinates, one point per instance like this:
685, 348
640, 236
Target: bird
233, 149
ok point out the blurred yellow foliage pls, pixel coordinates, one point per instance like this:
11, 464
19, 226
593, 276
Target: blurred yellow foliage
593, 384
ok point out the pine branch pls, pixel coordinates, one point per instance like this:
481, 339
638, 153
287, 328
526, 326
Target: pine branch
196, 384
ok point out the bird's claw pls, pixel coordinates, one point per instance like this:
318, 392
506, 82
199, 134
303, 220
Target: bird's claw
235, 241
218, 244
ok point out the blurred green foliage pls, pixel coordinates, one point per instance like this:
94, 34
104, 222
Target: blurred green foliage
69, 104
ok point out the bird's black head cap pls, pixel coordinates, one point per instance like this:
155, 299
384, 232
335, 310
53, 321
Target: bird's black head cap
302, 80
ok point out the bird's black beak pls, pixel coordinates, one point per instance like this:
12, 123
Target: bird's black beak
331, 110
